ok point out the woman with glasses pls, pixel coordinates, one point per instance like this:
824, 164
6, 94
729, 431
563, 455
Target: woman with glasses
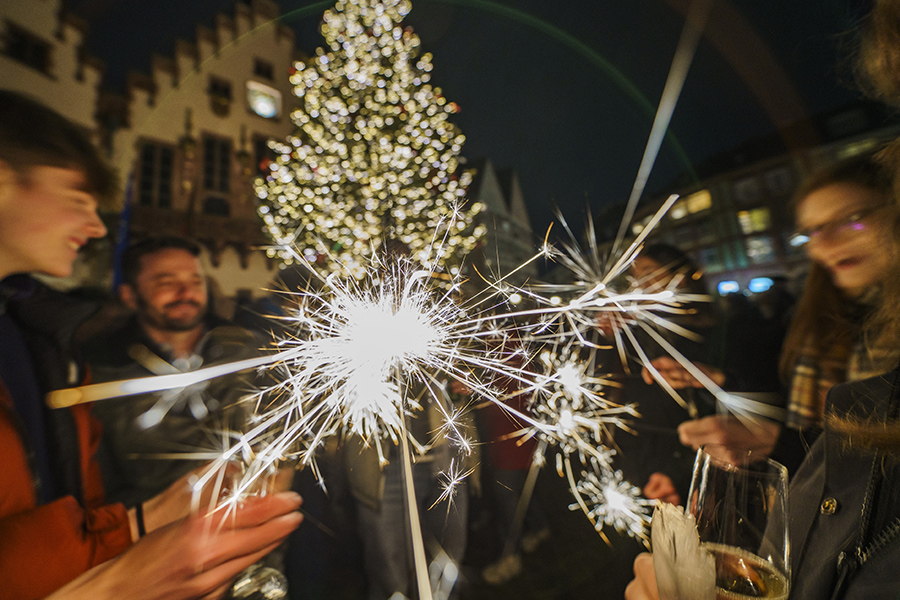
843, 215
845, 499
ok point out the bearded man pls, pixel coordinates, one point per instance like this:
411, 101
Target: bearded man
172, 330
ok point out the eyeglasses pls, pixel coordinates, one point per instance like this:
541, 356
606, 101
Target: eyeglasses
838, 228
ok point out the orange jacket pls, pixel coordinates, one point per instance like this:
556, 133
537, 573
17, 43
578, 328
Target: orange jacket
44, 547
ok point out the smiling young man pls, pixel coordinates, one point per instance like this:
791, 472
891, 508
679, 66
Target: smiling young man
171, 330
58, 537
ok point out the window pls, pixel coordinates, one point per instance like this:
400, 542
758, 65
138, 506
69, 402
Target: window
27, 48
753, 221
219, 91
154, 186
263, 69
215, 205
747, 191
217, 164
699, 201
760, 250
263, 100
735, 255
220, 88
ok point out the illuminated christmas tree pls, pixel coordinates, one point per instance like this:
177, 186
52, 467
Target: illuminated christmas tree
374, 156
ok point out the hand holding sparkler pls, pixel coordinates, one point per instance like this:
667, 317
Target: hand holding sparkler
196, 557
727, 436
679, 377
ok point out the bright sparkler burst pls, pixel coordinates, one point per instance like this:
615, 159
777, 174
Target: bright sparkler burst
572, 414
368, 353
610, 500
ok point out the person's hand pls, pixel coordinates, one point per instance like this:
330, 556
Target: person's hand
458, 387
660, 487
726, 438
197, 557
174, 503
677, 376
643, 586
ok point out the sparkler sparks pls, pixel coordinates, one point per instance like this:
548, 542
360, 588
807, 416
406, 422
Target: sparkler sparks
608, 499
367, 354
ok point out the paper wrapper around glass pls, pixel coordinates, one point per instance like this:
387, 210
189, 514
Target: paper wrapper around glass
684, 569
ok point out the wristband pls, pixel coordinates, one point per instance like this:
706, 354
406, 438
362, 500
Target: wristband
139, 517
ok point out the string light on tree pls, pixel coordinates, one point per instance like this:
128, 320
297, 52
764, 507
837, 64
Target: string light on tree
374, 156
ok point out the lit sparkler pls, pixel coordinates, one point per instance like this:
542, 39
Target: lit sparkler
608, 500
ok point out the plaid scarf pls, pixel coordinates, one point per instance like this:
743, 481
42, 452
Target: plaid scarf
814, 376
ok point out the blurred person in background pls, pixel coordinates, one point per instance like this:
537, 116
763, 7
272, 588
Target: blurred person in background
845, 498
843, 221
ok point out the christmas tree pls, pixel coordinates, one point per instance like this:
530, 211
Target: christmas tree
374, 156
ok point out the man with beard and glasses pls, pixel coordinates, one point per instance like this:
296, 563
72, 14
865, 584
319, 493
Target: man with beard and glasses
171, 331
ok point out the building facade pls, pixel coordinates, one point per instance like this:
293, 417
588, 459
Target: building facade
509, 241
186, 140
738, 223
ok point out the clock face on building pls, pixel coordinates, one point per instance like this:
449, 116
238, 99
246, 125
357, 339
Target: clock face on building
263, 100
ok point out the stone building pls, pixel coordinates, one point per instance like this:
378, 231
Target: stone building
41, 56
193, 137
190, 136
509, 241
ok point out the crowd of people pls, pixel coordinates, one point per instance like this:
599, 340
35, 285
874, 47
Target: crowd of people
93, 503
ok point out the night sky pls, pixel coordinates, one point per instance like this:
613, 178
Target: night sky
564, 91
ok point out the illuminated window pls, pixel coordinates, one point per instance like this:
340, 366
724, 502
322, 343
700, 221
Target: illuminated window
753, 221
679, 210
699, 201
760, 284
263, 100
154, 186
216, 164
728, 287
760, 249
735, 255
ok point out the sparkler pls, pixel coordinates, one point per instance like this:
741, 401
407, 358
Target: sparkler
368, 354
607, 499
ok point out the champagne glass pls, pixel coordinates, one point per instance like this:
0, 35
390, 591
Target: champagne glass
739, 502
262, 580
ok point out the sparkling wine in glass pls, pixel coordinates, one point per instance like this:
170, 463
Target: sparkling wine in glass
740, 505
